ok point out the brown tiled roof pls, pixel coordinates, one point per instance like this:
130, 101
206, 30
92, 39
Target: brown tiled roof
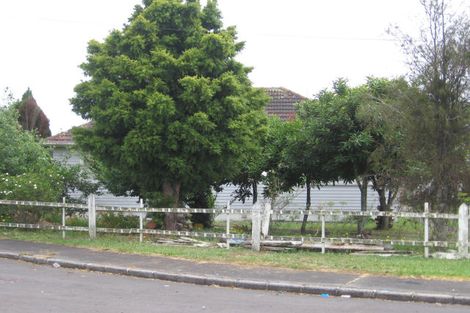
282, 102
64, 138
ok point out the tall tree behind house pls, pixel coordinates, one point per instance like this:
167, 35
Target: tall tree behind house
31, 117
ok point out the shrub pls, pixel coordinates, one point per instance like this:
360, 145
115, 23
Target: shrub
110, 220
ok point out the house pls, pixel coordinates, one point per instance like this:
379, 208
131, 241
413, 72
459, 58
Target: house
338, 196
282, 104
63, 150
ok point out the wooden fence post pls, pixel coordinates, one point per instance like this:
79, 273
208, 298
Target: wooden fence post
256, 227
92, 216
323, 233
63, 218
141, 222
266, 217
463, 230
426, 230
227, 231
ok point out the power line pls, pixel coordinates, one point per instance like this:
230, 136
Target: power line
319, 37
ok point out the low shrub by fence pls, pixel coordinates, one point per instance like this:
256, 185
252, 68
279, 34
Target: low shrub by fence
260, 217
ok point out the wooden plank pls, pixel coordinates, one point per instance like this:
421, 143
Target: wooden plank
43, 204
342, 248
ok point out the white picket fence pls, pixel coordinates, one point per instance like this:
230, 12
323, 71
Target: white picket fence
260, 216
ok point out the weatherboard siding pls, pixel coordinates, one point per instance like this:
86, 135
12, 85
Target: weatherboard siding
339, 196
67, 155
105, 198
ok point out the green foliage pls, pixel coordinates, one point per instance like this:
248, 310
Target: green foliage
211, 17
464, 197
172, 109
77, 221
20, 152
28, 172
386, 162
112, 220
39, 186
256, 162
436, 122
76, 179
348, 125
279, 133
202, 199
53, 217
337, 139
158, 219
346, 134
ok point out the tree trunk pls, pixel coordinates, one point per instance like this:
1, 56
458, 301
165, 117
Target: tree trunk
383, 222
362, 183
440, 227
307, 207
255, 192
173, 221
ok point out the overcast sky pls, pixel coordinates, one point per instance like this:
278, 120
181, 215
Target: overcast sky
302, 45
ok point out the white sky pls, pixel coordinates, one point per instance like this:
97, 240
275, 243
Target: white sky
302, 45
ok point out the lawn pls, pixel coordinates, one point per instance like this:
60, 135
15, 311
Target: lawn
404, 266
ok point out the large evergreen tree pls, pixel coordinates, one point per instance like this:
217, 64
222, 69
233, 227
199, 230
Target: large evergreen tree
172, 110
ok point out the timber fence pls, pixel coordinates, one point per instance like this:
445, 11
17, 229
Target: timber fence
259, 216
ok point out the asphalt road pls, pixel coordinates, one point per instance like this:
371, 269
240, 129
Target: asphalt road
26, 287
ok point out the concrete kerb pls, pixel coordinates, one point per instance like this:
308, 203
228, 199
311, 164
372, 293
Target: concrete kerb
245, 284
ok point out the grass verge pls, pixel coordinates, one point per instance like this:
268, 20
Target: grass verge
404, 266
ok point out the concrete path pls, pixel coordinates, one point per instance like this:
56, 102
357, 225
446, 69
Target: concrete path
261, 278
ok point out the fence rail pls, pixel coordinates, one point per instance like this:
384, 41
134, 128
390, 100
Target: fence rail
225, 210
257, 214
348, 213
334, 240
44, 204
126, 231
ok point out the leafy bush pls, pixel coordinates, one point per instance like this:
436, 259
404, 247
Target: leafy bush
77, 221
202, 199
158, 219
110, 220
28, 172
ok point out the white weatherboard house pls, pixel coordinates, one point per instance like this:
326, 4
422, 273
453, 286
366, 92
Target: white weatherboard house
63, 150
282, 104
339, 196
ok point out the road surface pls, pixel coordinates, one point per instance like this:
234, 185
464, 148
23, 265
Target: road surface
26, 287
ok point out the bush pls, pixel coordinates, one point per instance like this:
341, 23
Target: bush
28, 172
5, 215
205, 220
42, 185
204, 199
110, 220
158, 219
77, 221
